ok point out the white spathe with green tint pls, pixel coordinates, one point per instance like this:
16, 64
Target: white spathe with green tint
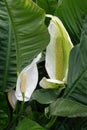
31, 72
51, 83
57, 52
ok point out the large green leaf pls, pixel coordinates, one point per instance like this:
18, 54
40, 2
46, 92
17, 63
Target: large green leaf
65, 107
45, 96
77, 76
31, 35
27, 124
48, 5
7, 51
25, 26
72, 13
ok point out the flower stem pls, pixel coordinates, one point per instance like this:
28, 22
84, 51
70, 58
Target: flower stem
51, 122
15, 118
21, 109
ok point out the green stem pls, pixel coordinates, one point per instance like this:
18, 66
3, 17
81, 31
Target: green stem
21, 109
15, 118
51, 122
11, 124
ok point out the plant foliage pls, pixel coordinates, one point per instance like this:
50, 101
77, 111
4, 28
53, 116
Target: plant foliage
23, 35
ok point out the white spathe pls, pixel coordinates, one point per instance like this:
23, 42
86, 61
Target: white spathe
57, 51
31, 72
51, 83
12, 98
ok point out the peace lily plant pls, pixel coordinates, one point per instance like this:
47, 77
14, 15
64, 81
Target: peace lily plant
57, 57
26, 83
57, 54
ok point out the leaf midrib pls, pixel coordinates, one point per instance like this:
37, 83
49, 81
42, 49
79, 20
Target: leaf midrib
17, 46
7, 57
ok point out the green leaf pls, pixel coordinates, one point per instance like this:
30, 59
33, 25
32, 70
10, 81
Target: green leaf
45, 96
72, 14
3, 119
25, 26
77, 76
4, 111
31, 35
48, 5
27, 124
7, 51
74, 102
64, 107
71, 124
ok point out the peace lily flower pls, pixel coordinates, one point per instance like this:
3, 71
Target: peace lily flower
57, 54
27, 81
